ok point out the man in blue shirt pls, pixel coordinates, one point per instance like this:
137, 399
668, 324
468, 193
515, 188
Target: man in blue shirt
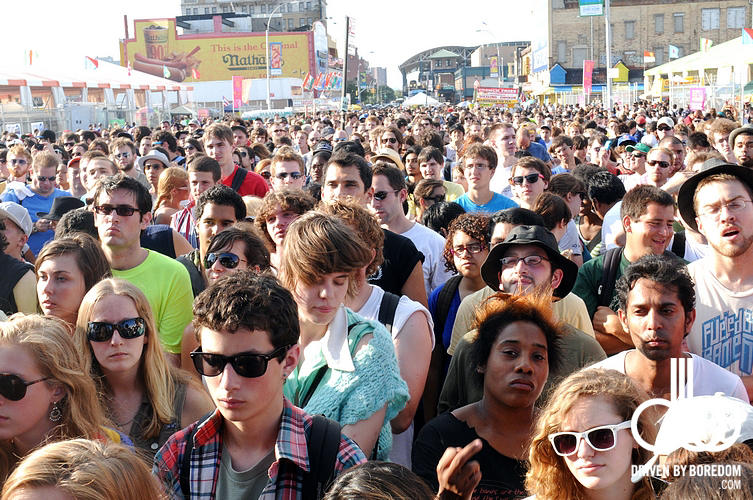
37, 198
537, 150
479, 165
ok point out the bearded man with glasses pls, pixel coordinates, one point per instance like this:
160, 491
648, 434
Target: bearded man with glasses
123, 154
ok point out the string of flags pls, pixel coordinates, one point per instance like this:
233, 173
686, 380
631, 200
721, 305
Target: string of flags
322, 81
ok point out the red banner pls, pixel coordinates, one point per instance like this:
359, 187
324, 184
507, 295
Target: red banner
588, 71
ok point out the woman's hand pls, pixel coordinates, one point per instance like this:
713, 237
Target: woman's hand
457, 476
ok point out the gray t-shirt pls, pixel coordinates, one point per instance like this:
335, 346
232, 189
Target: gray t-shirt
247, 484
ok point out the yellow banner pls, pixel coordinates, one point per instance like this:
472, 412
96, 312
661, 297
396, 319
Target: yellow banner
212, 56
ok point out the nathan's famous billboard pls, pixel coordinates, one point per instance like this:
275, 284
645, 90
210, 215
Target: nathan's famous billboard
157, 49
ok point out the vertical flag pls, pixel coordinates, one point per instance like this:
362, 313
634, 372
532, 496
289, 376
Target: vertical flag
706, 44
747, 36
225, 102
237, 91
308, 81
165, 72
588, 68
493, 67
674, 52
648, 57
275, 58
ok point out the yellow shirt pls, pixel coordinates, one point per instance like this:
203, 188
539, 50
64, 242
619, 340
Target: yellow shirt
452, 190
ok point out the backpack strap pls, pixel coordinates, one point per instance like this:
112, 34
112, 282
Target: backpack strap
238, 179
609, 275
323, 446
678, 245
387, 310
185, 467
444, 301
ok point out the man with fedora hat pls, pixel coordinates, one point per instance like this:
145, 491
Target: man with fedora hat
527, 261
741, 142
717, 203
153, 164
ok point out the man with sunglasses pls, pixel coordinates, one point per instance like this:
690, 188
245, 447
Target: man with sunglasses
480, 163
657, 309
123, 153
122, 208
245, 356
287, 169
387, 203
38, 197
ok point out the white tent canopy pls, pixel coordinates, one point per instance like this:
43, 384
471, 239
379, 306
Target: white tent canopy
421, 99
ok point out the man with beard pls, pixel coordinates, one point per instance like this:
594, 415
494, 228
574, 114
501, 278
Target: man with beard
657, 309
741, 141
717, 203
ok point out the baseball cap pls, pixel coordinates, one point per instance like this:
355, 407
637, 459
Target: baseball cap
644, 148
194, 122
328, 132
530, 235
665, 120
640, 120
18, 214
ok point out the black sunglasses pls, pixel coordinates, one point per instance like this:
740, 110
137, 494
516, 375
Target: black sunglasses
663, 128
530, 178
662, 164
122, 210
97, 331
436, 199
381, 195
266, 174
227, 260
248, 364
293, 175
42, 178
70, 144
13, 387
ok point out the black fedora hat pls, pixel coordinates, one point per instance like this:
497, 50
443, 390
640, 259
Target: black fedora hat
61, 206
531, 235
709, 168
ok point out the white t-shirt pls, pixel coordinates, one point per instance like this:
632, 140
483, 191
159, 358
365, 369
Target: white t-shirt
401, 443
431, 245
708, 378
723, 328
611, 226
570, 240
500, 181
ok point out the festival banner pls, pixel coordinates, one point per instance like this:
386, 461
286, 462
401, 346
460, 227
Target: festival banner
237, 91
275, 59
588, 70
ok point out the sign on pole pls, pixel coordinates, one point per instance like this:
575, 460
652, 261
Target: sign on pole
275, 58
591, 8
588, 69
493, 67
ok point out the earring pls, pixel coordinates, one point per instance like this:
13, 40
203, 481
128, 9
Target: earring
55, 414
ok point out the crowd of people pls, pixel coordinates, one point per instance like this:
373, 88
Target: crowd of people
445, 303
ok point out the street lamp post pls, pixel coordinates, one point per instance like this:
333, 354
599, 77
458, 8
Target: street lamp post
499, 59
269, 91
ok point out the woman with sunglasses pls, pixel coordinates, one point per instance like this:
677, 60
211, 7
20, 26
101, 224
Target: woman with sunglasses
529, 178
142, 394
583, 445
348, 370
44, 396
264, 168
66, 269
229, 251
511, 357
193, 146
277, 211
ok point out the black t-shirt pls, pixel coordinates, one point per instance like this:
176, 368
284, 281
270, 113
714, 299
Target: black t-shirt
400, 258
502, 478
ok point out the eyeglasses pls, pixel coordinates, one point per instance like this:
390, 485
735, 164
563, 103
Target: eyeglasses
529, 260
266, 174
42, 178
663, 128
122, 210
97, 331
125, 155
602, 438
381, 195
662, 164
249, 365
16, 161
471, 248
284, 175
436, 199
479, 166
530, 179
734, 206
227, 260
13, 387
391, 140
69, 144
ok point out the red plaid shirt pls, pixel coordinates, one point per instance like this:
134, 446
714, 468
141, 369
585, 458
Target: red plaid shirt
291, 446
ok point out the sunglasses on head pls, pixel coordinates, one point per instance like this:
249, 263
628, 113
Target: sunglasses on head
381, 195
530, 179
122, 210
227, 260
662, 164
602, 438
99, 331
248, 365
13, 387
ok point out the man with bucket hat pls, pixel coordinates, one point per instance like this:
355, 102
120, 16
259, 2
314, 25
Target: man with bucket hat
528, 261
717, 203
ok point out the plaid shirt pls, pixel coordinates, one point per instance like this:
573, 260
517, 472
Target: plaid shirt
290, 449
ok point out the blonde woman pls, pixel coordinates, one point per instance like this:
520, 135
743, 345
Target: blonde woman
171, 191
141, 393
84, 470
44, 395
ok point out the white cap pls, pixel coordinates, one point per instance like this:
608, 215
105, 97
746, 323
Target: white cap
18, 214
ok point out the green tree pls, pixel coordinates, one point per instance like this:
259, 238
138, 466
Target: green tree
386, 94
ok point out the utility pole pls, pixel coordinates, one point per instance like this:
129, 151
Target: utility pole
609, 56
345, 64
